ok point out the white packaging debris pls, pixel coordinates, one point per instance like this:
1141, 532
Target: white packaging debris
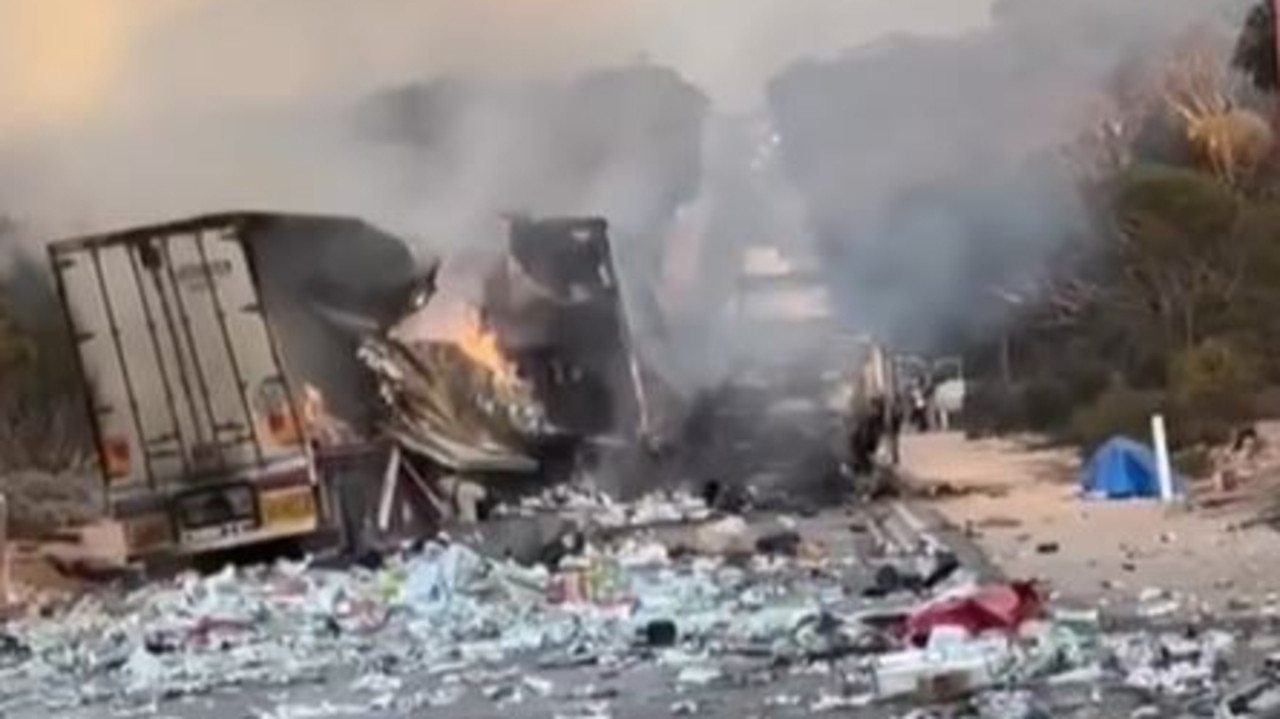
602, 510
951, 665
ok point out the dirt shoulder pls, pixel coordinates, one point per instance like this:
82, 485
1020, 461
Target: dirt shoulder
1022, 507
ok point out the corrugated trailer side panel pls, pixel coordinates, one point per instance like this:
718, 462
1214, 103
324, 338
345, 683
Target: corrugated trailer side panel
182, 375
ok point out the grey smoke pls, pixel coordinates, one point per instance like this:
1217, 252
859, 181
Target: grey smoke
934, 170
623, 143
927, 165
128, 111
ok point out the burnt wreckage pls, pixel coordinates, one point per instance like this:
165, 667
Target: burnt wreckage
255, 377
556, 307
544, 359
538, 381
542, 382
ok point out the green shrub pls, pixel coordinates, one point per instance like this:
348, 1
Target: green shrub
1214, 389
1120, 410
1212, 392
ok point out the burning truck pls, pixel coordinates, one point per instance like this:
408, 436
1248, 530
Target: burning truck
257, 377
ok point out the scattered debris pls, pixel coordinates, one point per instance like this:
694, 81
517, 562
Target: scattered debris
1004, 608
688, 707
661, 633
443, 624
601, 510
785, 543
833, 702
1174, 665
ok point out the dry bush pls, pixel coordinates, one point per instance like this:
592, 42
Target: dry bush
43, 430
1202, 89
46, 469
1115, 122
42, 502
1214, 388
46, 457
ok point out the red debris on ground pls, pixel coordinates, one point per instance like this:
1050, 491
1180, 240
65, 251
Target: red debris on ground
997, 608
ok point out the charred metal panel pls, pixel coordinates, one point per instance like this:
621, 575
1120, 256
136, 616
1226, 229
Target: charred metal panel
556, 308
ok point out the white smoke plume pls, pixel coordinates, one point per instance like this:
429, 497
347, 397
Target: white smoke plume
122, 111
114, 112
935, 172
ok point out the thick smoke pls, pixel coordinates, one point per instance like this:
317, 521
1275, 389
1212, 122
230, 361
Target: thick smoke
622, 143
934, 170
123, 111
927, 164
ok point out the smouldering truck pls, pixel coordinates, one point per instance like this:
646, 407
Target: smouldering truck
198, 344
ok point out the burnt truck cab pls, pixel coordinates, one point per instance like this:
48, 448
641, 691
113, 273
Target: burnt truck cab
556, 307
199, 344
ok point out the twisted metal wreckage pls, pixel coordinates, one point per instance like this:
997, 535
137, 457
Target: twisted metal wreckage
533, 382
544, 379
251, 376
258, 377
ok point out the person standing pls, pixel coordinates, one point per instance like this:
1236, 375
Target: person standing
919, 409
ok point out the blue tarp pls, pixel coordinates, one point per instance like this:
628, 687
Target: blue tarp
1122, 469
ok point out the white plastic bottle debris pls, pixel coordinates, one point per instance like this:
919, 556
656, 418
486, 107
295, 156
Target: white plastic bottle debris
952, 665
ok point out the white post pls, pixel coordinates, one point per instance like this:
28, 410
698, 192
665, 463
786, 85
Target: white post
386, 499
1163, 470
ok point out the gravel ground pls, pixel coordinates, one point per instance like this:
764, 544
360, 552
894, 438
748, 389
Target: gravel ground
1022, 508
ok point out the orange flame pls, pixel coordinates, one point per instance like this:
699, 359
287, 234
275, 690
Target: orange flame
455, 321
480, 344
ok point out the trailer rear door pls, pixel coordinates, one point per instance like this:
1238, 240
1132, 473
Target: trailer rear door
183, 375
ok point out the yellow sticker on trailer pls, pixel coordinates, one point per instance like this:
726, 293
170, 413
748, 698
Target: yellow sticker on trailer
288, 507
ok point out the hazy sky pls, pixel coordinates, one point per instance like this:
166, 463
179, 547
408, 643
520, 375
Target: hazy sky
118, 112
62, 60
115, 111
